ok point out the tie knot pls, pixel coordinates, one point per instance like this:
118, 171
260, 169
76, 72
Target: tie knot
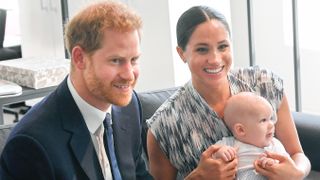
107, 120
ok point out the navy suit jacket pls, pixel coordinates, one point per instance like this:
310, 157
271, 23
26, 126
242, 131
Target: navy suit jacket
52, 142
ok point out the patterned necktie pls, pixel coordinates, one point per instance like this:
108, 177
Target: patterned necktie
103, 159
110, 144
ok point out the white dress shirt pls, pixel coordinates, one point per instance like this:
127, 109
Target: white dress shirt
93, 118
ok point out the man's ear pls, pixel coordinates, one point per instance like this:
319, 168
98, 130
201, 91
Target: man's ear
180, 52
239, 130
78, 57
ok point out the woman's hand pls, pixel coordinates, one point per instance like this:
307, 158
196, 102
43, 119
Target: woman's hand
285, 169
210, 168
266, 161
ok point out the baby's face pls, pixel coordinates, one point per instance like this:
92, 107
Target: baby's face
259, 128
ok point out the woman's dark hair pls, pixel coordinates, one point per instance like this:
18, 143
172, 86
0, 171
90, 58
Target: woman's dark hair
191, 18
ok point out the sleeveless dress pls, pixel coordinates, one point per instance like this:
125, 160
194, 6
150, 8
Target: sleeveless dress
185, 126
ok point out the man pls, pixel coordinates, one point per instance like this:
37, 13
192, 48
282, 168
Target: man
60, 137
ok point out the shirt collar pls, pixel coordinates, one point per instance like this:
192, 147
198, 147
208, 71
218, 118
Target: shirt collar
92, 116
109, 111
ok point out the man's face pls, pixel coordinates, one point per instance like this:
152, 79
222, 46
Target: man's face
111, 72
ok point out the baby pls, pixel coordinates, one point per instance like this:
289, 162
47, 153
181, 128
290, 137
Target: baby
251, 119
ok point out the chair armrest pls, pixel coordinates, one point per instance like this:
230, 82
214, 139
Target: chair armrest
4, 133
150, 101
308, 127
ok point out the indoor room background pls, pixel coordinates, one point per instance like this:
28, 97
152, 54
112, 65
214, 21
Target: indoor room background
278, 34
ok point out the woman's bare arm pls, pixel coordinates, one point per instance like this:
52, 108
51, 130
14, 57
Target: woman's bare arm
160, 166
296, 167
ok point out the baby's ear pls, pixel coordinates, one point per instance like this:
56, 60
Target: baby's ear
239, 130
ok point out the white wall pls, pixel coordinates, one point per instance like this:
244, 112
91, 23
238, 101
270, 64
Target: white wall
156, 64
76, 5
41, 28
309, 38
240, 38
271, 49
12, 29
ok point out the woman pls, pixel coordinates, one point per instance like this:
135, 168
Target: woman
183, 130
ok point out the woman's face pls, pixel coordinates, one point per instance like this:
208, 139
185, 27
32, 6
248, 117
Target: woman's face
208, 54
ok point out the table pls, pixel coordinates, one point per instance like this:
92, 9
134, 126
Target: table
27, 94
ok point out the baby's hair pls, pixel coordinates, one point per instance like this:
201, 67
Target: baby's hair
242, 105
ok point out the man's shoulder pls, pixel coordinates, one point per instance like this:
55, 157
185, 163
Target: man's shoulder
39, 121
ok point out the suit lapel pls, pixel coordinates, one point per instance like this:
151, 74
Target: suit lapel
118, 116
122, 115
122, 118
85, 153
126, 135
80, 144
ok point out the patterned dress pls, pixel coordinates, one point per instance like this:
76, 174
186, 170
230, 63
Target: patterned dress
185, 125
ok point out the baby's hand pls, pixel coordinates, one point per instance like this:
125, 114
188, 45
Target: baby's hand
264, 161
227, 153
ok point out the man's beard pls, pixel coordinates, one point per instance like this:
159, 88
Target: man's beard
108, 92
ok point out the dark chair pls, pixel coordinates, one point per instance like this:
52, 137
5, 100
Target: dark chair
4, 133
7, 53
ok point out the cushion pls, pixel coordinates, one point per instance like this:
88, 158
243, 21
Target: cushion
308, 126
150, 101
